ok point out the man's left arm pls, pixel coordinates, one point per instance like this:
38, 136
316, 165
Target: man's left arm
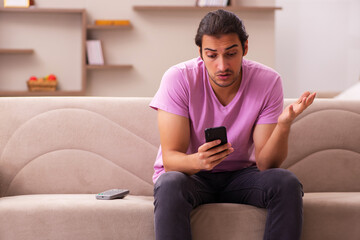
271, 140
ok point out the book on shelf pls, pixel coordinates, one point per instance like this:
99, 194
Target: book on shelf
103, 22
94, 52
208, 3
16, 3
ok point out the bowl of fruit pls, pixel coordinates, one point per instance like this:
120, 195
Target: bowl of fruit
44, 84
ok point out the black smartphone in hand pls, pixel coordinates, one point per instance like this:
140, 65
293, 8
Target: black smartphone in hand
216, 133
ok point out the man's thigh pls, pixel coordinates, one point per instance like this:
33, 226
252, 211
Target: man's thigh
255, 187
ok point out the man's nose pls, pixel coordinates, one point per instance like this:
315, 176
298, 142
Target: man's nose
222, 64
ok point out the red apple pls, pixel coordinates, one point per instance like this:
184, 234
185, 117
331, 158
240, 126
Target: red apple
32, 78
51, 77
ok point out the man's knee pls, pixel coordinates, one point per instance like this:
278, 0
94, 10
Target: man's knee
170, 179
284, 181
170, 182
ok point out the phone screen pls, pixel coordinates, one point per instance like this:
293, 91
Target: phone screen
216, 133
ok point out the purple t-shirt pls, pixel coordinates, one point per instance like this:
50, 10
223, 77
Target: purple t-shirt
185, 90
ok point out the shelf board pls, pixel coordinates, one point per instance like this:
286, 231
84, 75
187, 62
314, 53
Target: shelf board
42, 10
28, 93
16, 51
104, 67
207, 8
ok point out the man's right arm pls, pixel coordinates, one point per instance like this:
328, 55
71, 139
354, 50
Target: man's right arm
175, 139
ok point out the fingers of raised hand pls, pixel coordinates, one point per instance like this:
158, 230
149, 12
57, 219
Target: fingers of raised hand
310, 99
304, 101
302, 97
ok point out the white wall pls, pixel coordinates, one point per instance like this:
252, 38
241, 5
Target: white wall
318, 45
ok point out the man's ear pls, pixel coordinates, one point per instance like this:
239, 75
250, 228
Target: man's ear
200, 53
246, 47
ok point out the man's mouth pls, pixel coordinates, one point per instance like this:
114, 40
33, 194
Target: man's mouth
223, 76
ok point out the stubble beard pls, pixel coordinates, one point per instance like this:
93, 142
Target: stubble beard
217, 83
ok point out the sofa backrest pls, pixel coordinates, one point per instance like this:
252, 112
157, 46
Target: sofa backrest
90, 144
324, 146
76, 145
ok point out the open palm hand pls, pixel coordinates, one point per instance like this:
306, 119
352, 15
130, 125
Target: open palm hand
296, 108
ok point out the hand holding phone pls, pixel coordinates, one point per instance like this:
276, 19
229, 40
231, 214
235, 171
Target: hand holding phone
211, 158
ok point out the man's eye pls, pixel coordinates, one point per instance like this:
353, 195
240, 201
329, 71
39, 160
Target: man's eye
211, 56
232, 53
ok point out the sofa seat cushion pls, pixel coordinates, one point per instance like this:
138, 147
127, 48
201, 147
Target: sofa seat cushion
328, 215
332, 216
68, 216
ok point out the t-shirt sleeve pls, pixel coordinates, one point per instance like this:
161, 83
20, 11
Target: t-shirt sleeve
273, 106
172, 95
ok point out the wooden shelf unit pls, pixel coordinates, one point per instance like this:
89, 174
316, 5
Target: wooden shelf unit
84, 31
83, 24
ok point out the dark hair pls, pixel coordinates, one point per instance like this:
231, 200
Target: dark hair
219, 22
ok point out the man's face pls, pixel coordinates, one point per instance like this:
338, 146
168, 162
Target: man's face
223, 57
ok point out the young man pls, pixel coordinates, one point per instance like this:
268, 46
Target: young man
220, 88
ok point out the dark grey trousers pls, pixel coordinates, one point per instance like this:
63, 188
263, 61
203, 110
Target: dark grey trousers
278, 190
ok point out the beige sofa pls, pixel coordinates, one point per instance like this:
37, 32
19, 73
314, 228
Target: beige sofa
56, 153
